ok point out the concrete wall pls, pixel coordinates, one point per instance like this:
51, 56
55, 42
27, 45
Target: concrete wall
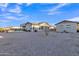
68, 27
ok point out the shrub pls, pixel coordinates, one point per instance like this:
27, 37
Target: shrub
1, 30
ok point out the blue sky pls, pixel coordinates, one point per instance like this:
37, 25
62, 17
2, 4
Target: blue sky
14, 14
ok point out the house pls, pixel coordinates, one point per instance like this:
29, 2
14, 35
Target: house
35, 26
44, 25
67, 26
41, 26
26, 26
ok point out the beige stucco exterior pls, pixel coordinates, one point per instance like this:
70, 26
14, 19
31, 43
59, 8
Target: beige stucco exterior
44, 24
36, 25
67, 27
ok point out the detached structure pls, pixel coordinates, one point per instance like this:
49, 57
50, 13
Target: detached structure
67, 26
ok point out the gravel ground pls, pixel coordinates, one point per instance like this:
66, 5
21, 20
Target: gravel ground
37, 44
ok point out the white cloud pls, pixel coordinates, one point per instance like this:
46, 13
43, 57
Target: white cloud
4, 21
8, 19
19, 3
54, 10
53, 13
28, 4
22, 17
58, 6
11, 17
5, 14
17, 9
3, 6
74, 19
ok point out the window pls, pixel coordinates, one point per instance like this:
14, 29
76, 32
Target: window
68, 26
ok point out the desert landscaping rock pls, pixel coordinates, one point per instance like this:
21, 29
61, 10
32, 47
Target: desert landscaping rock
37, 44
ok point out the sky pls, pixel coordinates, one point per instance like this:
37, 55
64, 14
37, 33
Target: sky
14, 14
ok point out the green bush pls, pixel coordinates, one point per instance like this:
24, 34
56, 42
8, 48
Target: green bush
1, 29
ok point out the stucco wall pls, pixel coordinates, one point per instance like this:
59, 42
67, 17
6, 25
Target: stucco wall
69, 27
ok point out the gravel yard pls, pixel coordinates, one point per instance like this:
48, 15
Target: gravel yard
37, 44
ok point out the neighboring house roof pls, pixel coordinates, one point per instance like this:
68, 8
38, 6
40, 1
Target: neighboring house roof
36, 24
44, 24
67, 21
28, 23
